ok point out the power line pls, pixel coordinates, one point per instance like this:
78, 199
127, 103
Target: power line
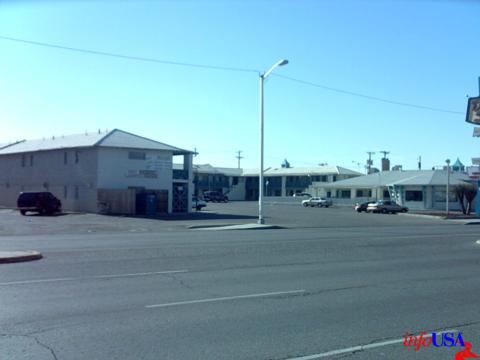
226, 68
346, 92
128, 57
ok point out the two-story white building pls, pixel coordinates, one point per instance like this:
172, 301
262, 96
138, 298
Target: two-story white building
113, 171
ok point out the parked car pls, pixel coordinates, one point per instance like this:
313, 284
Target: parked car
363, 206
303, 194
41, 202
385, 207
215, 196
198, 204
317, 201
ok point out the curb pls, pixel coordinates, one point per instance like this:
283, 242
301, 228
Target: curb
193, 227
423, 216
19, 256
241, 227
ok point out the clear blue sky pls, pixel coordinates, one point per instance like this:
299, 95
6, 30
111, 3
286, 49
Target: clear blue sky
420, 52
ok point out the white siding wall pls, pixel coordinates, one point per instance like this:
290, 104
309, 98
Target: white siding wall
50, 173
115, 170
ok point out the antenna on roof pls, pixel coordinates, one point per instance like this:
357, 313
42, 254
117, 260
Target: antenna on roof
53, 137
99, 131
195, 152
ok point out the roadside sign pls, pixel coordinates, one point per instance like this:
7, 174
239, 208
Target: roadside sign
476, 132
473, 111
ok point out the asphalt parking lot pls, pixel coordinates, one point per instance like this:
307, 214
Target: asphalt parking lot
215, 214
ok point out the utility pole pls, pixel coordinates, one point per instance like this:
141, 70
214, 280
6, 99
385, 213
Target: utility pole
385, 153
448, 187
195, 153
369, 161
419, 163
239, 157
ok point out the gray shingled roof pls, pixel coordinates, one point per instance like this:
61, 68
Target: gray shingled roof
408, 177
114, 138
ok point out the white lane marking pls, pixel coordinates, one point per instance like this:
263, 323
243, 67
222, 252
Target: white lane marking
360, 348
92, 277
138, 274
228, 298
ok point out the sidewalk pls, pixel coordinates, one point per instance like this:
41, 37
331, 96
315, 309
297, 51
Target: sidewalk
456, 217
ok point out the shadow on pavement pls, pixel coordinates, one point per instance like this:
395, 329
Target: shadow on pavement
190, 216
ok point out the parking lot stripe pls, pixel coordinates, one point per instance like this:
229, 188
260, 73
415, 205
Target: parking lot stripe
228, 298
24, 282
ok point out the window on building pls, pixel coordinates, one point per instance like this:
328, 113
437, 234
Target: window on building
77, 192
386, 194
77, 157
31, 160
65, 158
364, 193
413, 195
334, 178
136, 155
345, 194
23, 160
235, 180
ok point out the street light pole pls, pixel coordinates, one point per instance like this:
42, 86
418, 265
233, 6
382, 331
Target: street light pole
448, 185
263, 76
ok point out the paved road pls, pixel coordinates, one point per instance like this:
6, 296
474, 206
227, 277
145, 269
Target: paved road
270, 294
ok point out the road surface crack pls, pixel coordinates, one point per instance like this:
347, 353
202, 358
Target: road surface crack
179, 281
35, 338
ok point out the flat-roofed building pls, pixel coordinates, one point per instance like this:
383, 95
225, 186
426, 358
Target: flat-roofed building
242, 184
416, 189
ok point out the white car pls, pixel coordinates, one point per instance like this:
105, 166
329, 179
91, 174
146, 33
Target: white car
317, 201
198, 204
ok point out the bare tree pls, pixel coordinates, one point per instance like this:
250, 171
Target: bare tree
460, 193
465, 192
470, 194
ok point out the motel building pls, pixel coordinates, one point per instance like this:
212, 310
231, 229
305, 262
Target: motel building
242, 184
415, 189
103, 172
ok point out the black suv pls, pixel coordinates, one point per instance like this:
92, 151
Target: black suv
42, 202
215, 196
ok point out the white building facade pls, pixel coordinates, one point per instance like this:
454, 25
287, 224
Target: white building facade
114, 172
416, 189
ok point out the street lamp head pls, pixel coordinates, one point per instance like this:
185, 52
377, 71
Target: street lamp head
447, 161
278, 63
